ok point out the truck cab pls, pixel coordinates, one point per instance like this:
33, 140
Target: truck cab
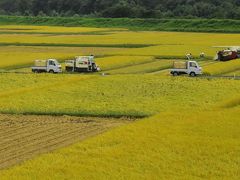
50, 66
54, 66
192, 68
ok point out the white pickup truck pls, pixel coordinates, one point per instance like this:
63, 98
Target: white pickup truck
49, 66
191, 68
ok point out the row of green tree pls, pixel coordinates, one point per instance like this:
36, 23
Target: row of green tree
124, 8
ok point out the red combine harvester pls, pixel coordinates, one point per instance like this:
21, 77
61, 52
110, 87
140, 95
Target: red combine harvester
226, 55
233, 52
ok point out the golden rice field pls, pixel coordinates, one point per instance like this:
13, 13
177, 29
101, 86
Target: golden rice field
15, 57
118, 43
101, 96
15, 53
234, 73
223, 67
123, 37
134, 121
192, 145
116, 62
146, 67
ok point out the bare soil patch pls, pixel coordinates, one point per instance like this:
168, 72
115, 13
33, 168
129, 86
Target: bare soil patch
24, 137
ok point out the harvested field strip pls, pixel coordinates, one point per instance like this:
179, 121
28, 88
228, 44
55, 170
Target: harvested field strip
40, 140
78, 45
28, 136
25, 132
21, 128
143, 68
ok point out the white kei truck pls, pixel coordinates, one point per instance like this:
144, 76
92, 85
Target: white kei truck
192, 68
49, 66
81, 64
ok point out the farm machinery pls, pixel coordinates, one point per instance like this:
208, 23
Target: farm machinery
191, 68
232, 52
79, 64
82, 64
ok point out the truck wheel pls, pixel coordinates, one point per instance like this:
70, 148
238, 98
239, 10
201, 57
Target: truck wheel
35, 71
175, 73
51, 71
192, 74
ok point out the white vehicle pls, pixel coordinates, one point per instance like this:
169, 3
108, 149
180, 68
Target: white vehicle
191, 68
49, 66
81, 64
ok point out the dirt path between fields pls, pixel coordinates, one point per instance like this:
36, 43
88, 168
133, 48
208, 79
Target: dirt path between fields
24, 137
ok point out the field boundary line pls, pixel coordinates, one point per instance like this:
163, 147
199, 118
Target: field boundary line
79, 45
131, 117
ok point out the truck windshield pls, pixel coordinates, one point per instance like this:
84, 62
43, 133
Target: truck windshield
192, 64
53, 63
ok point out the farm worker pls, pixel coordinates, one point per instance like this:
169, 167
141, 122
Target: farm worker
92, 56
189, 56
202, 55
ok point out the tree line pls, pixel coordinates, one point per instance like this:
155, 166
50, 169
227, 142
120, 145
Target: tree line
124, 8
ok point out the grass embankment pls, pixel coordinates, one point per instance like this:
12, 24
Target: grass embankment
183, 145
193, 25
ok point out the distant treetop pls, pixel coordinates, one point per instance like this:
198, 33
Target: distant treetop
124, 8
